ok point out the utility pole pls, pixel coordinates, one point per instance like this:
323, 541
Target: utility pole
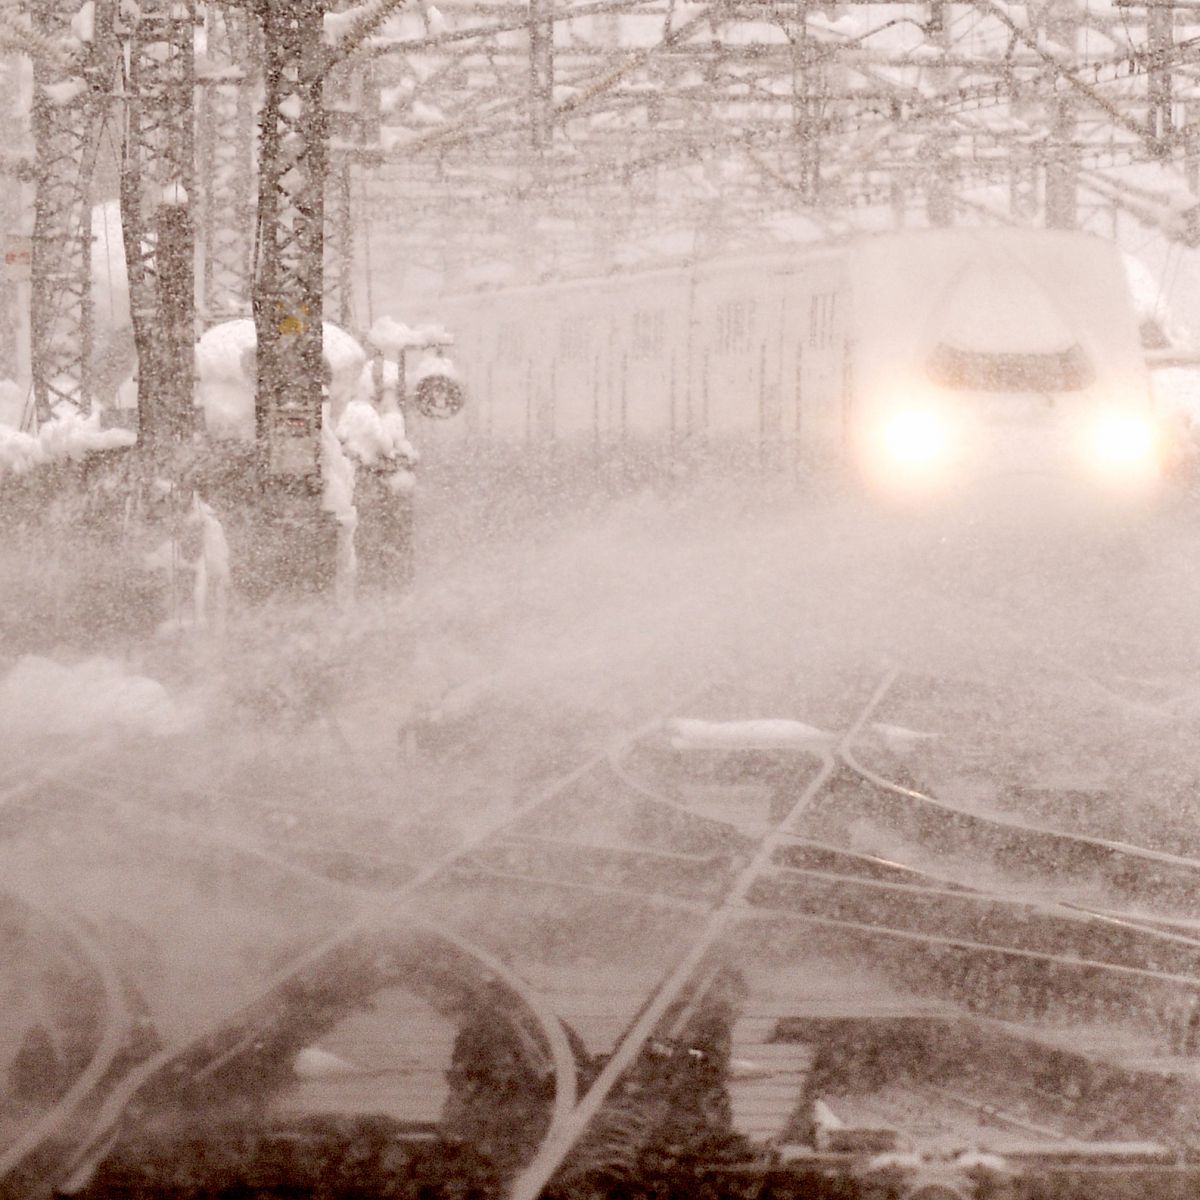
541, 78
225, 184
157, 183
939, 196
1160, 36
297, 551
808, 80
70, 95
1062, 157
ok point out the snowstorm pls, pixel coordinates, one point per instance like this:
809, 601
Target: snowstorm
600, 600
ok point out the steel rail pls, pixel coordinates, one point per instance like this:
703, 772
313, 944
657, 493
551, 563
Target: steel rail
117, 1026
376, 911
577, 885
756, 912
1113, 846
554, 1150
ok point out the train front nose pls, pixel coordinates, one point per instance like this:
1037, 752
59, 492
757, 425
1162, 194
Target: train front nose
1003, 389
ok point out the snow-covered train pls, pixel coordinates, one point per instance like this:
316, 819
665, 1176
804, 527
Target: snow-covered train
919, 361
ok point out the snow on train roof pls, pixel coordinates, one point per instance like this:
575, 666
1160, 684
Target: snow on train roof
991, 306
903, 286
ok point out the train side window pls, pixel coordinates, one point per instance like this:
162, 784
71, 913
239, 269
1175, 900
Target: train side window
573, 339
512, 339
735, 321
821, 311
647, 340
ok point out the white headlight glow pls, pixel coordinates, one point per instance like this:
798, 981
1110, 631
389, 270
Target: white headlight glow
914, 439
1123, 440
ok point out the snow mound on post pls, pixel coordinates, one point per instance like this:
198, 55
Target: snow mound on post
435, 364
372, 437
226, 378
392, 337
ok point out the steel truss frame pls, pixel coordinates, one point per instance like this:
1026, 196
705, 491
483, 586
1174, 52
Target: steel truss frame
157, 182
289, 279
226, 161
576, 108
70, 104
806, 102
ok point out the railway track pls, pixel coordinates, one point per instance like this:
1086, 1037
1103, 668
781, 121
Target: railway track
235, 1035
108, 1043
969, 948
982, 969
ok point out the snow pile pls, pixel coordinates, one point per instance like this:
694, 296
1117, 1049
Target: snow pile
40, 697
18, 74
374, 438
68, 435
421, 113
769, 734
391, 337
436, 22
435, 365
210, 569
337, 498
337, 473
392, 98
225, 357
225, 382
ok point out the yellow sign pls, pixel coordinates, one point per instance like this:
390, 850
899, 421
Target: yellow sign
295, 323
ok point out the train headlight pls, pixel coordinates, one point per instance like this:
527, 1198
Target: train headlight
1124, 445
915, 439
1123, 438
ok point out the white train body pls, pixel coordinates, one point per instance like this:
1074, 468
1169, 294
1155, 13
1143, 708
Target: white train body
918, 360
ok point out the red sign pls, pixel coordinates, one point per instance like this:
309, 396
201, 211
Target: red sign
18, 258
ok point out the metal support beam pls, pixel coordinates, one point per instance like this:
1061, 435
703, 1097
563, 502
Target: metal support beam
296, 547
541, 76
289, 271
1062, 156
346, 105
70, 102
1160, 123
226, 165
157, 181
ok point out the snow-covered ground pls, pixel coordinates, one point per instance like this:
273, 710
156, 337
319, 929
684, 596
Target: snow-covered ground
534, 635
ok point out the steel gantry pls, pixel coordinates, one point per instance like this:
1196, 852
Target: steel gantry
537, 134
75, 60
1067, 112
289, 265
228, 78
719, 118
157, 183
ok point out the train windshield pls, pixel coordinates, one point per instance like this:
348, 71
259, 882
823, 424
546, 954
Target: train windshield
1067, 370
